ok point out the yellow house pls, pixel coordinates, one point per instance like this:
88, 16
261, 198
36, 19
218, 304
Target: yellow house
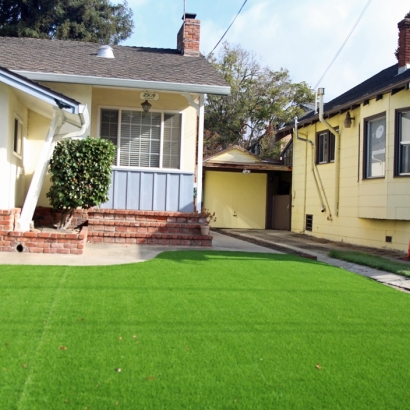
149, 102
246, 192
351, 161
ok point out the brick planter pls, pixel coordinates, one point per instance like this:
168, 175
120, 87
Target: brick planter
43, 242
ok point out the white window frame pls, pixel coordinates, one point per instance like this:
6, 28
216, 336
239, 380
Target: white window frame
19, 121
367, 157
399, 142
163, 112
331, 147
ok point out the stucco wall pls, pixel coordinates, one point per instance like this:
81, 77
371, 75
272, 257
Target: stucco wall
369, 209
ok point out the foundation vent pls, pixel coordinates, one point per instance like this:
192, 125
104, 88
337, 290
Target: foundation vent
309, 222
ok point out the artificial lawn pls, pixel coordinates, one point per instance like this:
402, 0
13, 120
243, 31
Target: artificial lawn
374, 261
202, 330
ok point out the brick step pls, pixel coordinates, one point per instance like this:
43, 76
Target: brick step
151, 238
143, 227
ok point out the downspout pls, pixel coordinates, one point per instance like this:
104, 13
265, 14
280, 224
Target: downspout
201, 116
321, 93
58, 120
312, 164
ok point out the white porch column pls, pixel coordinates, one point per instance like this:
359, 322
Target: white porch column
23, 224
201, 113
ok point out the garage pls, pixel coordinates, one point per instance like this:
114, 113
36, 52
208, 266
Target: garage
246, 192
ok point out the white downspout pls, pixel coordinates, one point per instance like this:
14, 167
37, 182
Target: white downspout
30, 203
321, 93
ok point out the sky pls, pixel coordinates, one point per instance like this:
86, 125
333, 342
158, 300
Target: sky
302, 36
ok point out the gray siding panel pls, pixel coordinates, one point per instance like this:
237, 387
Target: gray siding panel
172, 198
151, 191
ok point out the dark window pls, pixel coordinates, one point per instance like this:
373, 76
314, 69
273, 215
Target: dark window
309, 222
18, 136
402, 154
375, 146
287, 154
325, 147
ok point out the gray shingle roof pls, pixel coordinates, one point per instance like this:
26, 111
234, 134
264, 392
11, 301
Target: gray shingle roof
80, 58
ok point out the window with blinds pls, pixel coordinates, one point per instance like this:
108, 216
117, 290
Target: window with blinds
402, 153
151, 140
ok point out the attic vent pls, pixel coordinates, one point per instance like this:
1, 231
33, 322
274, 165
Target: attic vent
105, 52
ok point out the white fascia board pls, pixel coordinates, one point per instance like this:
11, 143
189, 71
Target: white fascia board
36, 91
127, 83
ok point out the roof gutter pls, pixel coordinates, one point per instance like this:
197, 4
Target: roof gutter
36, 90
127, 83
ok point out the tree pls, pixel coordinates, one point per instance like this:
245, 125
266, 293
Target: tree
80, 175
98, 21
261, 101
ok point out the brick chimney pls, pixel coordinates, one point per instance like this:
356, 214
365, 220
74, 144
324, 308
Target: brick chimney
188, 36
403, 52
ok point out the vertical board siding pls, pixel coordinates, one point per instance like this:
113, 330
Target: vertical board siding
151, 191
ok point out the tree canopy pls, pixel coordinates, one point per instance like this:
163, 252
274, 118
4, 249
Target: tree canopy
97, 21
261, 101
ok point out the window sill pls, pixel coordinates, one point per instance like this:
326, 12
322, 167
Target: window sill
147, 169
17, 155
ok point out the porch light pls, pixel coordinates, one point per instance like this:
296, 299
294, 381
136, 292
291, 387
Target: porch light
146, 106
348, 120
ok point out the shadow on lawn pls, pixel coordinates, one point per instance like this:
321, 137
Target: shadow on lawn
208, 255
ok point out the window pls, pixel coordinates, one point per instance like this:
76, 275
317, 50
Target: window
402, 154
375, 147
287, 154
325, 147
18, 136
150, 140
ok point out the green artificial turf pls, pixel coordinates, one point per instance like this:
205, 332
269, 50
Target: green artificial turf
202, 330
373, 261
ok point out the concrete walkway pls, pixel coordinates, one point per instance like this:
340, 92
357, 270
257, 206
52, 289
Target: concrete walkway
316, 248
116, 254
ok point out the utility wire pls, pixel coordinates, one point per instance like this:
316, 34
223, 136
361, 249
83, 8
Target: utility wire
237, 14
341, 48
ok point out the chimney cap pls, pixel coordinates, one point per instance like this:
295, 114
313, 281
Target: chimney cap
189, 16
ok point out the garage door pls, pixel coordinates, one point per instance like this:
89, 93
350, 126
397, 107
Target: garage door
239, 200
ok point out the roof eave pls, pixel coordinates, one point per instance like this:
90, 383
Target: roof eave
343, 107
38, 91
127, 83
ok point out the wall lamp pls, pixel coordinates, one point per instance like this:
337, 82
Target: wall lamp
146, 106
348, 120
246, 171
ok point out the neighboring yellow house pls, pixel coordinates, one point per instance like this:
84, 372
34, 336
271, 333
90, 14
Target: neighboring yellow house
246, 192
351, 168
149, 102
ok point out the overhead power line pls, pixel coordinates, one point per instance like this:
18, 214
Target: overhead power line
341, 48
237, 14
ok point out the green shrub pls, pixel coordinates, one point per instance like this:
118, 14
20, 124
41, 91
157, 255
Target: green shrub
80, 175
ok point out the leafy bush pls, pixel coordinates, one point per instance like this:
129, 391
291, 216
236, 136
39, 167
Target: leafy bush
80, 175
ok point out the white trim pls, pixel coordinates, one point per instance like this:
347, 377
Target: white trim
199, 165
127, 83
